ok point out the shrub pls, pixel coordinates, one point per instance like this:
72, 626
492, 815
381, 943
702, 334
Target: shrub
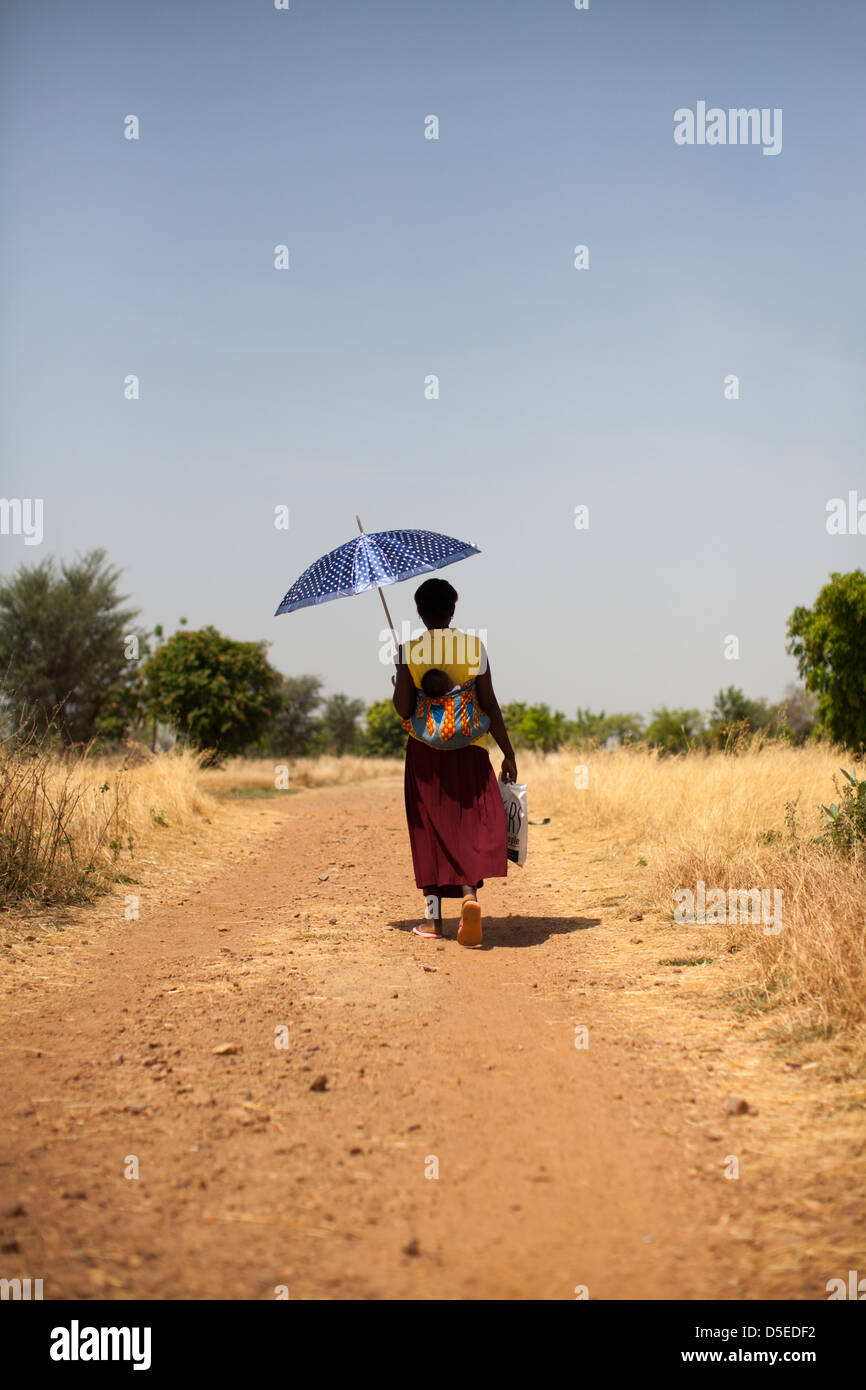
846, 818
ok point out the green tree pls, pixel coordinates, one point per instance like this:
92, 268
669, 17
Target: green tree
339, 730
384, 736
829, 643
598, 728
68, 647
292, 731
535, 726
674, 730
123, 711
513, 715
544, 728
217, 694
587, 727
734, 713
627, 728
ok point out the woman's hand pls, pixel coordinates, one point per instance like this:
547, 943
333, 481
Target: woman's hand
509, 770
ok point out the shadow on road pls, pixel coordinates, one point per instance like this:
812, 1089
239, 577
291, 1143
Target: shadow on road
512, 931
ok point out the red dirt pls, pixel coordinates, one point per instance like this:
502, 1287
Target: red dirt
558, 1167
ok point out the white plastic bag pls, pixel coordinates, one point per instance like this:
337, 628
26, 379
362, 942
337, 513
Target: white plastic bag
514, 800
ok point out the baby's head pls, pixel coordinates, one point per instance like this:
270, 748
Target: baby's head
436, 683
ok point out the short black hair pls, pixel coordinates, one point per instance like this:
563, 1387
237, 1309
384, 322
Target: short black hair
436, 599
436, 683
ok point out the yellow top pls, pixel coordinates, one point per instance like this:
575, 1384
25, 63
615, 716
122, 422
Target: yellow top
460, 655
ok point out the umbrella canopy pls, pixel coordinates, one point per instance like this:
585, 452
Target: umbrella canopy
371, 561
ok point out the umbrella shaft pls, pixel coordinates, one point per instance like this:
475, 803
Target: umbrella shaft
387, 614
379, 591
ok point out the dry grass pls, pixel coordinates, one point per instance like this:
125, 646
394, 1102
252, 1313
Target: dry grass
265, 774
71, 825
726, 820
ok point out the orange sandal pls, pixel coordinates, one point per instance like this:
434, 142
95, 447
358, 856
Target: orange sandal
469, 931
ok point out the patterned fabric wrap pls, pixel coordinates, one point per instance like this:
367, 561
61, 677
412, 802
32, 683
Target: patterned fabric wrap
451, 721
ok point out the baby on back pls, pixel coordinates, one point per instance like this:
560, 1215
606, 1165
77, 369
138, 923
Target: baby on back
435, 684
447, 715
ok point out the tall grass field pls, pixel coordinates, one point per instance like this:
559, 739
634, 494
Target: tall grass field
749, 820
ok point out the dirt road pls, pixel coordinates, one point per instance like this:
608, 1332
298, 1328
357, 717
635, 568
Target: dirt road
315, 1100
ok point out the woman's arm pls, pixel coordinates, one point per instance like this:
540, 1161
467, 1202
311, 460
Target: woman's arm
489, 703
404, 688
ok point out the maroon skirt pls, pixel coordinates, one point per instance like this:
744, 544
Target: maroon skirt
456, 817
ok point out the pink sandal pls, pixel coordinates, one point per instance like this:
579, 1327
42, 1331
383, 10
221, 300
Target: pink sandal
419, 931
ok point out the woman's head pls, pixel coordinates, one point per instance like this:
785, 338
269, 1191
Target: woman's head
436, 600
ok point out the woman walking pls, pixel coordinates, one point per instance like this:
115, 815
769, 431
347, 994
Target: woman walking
457, 825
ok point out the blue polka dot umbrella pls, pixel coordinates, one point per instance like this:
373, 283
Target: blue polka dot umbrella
371, 561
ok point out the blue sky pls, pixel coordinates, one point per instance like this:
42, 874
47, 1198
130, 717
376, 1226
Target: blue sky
408, 257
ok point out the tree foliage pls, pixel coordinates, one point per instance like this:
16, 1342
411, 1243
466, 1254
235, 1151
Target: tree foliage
674, 730
292, 731
217, 694
829, 643
339, 728
535, 726
65, 648
384, 735
734, 714
598, 728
